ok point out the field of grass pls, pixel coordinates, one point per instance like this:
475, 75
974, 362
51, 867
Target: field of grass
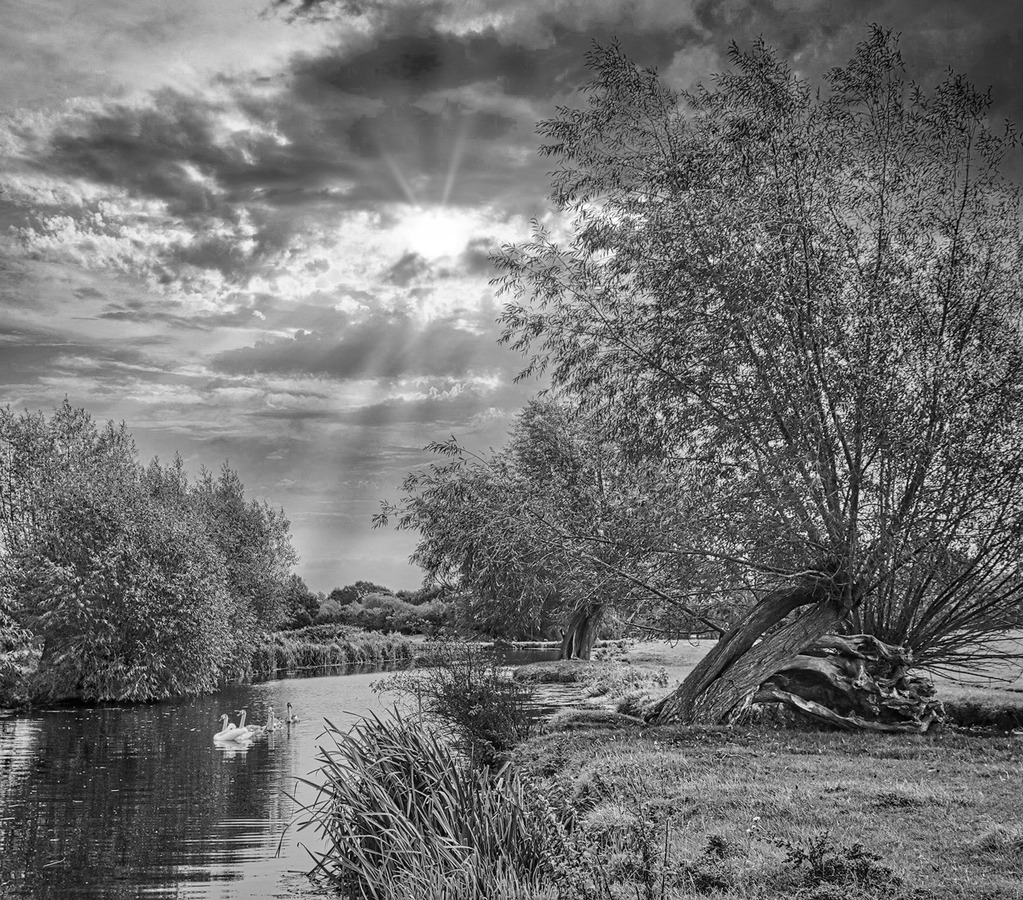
761, 813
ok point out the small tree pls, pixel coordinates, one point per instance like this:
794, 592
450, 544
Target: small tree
301, 604
809, 299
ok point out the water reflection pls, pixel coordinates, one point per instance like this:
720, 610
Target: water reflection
139, 801
121, 801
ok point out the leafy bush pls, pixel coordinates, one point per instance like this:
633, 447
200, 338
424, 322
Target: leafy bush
820, 861
127, 582
467, 690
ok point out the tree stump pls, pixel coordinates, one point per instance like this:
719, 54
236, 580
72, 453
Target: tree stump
855, 682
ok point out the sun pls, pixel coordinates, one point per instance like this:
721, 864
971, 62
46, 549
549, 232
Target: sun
435, 232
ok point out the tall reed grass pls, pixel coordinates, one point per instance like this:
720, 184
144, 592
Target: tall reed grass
321, 647
406, 816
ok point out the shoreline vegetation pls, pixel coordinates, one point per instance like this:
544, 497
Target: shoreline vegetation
318, 648
597, 805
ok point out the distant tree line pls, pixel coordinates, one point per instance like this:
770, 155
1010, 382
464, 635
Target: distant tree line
373, 607
126, 581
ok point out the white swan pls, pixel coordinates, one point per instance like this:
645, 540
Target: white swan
229, 732
290, 716
257, 730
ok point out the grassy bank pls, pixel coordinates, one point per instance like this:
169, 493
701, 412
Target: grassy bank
806, 813
320, 649
761, 813
601, 807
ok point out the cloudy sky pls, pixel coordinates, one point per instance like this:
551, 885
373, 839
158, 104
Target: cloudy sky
260, 233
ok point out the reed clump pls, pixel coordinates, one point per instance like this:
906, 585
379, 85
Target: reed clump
319, 647
405, 815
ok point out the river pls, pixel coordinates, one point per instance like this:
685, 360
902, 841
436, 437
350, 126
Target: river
138, 801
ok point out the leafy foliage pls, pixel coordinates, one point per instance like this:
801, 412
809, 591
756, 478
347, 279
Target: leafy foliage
807, 303
129, 580
386, 612
556, 521
471, 696
300, 604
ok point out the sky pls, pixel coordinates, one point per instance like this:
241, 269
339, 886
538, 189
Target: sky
259, 231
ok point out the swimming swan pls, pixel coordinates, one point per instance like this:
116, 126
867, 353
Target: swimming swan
257, 730
229, 732
290, 716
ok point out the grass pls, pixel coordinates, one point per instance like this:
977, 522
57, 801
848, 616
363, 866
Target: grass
799, 813
322, 648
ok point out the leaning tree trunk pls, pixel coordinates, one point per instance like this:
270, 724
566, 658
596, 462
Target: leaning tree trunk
744, 658
581, 634
855, 682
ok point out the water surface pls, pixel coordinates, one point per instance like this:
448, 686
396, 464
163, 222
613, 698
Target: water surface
138, 801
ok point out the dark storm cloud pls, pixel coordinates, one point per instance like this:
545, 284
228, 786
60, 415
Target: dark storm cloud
981, 40
316, 312
378, 348
294, 415
413, 65
145, 150
475, 258
411, 267
539, 44
318, 135
30, 357
174, 315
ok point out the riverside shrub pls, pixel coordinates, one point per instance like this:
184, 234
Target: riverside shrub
467, 690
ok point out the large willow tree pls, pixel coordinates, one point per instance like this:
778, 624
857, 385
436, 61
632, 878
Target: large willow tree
809, 299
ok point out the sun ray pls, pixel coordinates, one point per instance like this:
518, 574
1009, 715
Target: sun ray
399, 176
456, 160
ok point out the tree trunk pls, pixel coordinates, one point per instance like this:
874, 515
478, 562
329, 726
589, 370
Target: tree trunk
581, 634
729, 675
855, 682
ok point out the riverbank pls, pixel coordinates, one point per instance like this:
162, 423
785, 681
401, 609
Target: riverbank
755, 812
767, 812
317, 649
